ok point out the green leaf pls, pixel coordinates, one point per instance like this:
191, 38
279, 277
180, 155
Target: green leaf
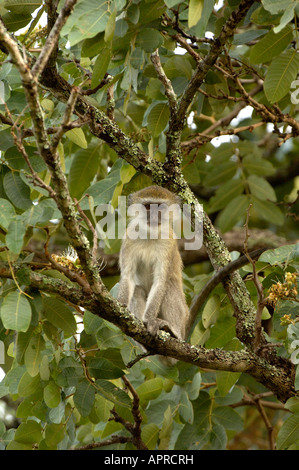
288, 433
29, 432
102, 368
149, 39
92, 323
52, 394
17, 191
193, 388
225, 193
32, 357
186, 408
71, 372
110, 27
7, 213
100, 67
149, 435
54, 434
16, 160
282, 71
77, 136
33, 215
247, 36
275, 6
178, 66
258, 166
150, 389
151, 11
15, 236
83, 169
112, 393
268, 210
44, 369
271, 45
22, 6
221, 173
166, 429
195, 12
60, 315
222, 332
87, 20
260, 188
84, 397
288, 15
226, 380
28, 385
278, 255
14, 21
16, 312
210, 311
201, 26
158, 118
101, 192
103, 408
228, 418
234, 212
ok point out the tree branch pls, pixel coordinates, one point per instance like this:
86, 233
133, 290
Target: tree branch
277, 375
63, 199
52, 39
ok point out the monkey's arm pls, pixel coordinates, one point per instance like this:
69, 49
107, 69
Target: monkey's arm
199, 299
125, 291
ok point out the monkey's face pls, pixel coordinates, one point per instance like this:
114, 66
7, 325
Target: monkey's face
155, 213
153, 219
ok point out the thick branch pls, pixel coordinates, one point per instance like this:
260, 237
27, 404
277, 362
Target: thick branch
51, 158
278, 375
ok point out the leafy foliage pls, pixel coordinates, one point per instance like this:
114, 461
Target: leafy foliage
69, 372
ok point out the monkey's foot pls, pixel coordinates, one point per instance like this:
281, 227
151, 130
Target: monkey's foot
154, 326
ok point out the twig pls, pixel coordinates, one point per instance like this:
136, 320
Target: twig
91, 228
205, 65
19, 144
108, 442
71, 275
134, 429
110, 102
222, 122
258, 285
169, 92
268, 425
199, 300
63, 128
136, 414
53, 38
15, 279
137, 359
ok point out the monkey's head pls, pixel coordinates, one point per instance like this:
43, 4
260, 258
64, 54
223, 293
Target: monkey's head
154, 208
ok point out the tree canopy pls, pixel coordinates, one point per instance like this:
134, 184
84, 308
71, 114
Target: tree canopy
98, 100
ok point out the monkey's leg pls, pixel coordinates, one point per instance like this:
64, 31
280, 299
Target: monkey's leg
174, 312
138, 302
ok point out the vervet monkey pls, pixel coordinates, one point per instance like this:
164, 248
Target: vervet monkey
151, 267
